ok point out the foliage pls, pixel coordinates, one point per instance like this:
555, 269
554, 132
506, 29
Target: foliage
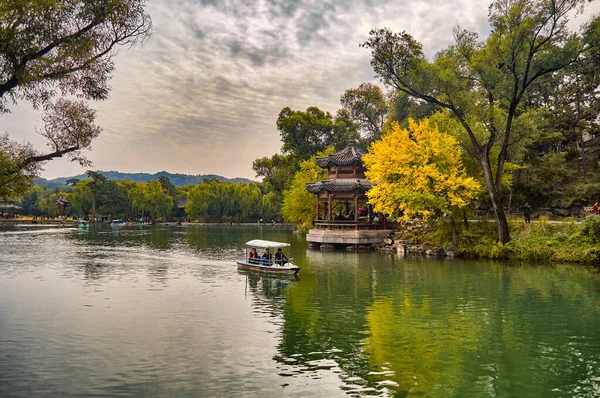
61, 49
404, 107
158, 199
276, 171
82, 197
298, 203
366, 106
538, 241
417, 172
13, 181
215, 200
486, 85
303, 134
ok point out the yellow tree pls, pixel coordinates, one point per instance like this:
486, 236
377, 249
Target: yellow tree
417, 172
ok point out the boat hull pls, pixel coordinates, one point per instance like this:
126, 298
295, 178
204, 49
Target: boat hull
270, 269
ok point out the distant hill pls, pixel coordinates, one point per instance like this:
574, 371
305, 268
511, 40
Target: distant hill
176, 179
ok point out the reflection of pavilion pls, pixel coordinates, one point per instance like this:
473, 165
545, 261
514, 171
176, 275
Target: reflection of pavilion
343, 216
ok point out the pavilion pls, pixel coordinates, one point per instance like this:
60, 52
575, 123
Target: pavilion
343, 216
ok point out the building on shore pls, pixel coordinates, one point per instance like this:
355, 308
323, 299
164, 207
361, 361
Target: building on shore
9, 210
342, 216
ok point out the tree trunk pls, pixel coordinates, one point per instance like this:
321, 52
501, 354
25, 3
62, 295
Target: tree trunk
583, 165
465, 219
503, 233
454, 240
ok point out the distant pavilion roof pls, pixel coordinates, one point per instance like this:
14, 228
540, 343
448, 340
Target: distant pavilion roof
348, 156
339, 185
9, 206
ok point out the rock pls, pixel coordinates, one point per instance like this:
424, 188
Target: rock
438, 252
388, 241
561, 212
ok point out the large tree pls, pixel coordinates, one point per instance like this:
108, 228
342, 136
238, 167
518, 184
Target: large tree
304, 133
484, 84
55, 50
368, 108
418, 172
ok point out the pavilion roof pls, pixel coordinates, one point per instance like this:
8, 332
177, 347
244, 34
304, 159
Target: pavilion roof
346, 157
339, 185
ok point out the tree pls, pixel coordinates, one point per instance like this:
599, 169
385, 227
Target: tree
277, 171
404, 107
368, 108
305, 133
417, 172
61, 48
298, 203
159, 200
13, 181
485, 84
82, 198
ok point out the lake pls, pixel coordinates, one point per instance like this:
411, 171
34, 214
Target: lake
163, 311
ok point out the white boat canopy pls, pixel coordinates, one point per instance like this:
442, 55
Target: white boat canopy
264, 244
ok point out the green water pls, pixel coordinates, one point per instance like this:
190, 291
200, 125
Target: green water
164, 312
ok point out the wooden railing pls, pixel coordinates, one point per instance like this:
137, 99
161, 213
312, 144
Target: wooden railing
348, 224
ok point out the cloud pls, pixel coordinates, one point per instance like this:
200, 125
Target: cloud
203, 94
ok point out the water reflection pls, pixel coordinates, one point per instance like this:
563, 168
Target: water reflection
163, 311
417, 327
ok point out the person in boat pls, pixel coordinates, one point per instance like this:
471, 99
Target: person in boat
267, 257
280, 257
253, 257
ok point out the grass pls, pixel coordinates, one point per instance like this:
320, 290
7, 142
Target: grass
540, 241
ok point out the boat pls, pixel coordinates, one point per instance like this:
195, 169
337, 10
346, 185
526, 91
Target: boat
117, 222
84, 224
264, 265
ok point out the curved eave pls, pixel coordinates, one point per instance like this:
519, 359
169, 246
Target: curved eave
357, 185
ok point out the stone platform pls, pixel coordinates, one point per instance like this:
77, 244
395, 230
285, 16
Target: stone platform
346, 237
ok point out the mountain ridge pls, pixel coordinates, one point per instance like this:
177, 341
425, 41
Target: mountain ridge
176, 179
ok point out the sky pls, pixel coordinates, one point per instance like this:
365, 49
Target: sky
202, 95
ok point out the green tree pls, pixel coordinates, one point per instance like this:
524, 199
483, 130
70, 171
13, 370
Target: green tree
199, 200
485, 84
298, 203
159, 200
82, 198
305, 133
368, 108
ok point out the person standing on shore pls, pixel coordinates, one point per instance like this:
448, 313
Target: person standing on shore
527, 213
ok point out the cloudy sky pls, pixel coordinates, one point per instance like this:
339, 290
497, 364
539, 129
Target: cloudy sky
203, 94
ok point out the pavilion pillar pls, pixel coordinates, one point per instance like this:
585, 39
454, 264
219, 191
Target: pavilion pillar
317, 215
329, 200
356, 211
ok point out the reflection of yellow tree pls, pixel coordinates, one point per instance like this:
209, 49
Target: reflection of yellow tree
425, 352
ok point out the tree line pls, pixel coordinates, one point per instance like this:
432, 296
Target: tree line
208, 201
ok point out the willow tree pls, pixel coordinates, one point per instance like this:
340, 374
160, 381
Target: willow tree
82, 197
159, 200
52, 51
485, 84
418, 172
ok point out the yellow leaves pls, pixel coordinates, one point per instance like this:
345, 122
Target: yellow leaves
417, 171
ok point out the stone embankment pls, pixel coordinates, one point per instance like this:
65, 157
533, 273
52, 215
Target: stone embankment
397, 242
